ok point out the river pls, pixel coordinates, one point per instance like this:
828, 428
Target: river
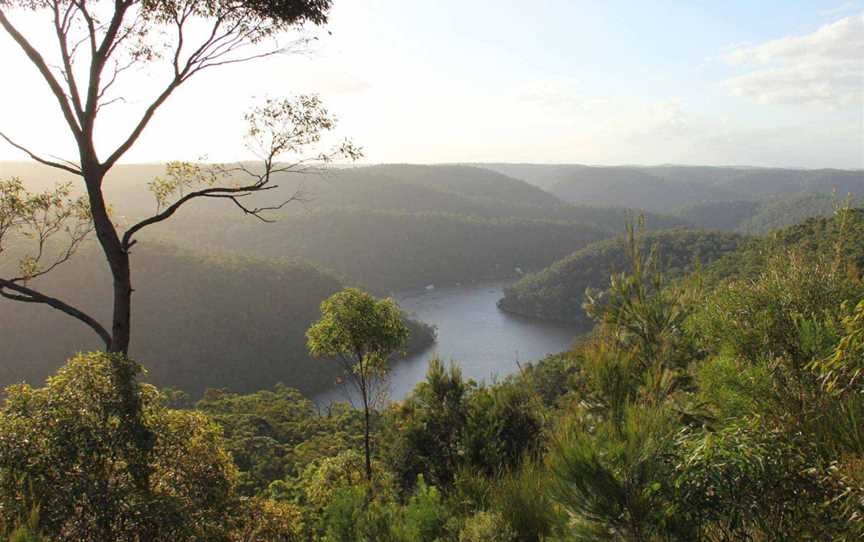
486, 342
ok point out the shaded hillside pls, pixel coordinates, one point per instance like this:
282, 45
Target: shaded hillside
760, 217
632, 187
471, 182
720, 215
787, 211
670, 187
393, 250
816, 235
454, 189
464, 190
557, 292
198, 322
416, 188
769, 182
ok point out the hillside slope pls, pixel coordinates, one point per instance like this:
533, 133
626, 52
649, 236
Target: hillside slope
788, 211
669, 188
199, 321
463, 190
386, 227
394, 250
811, 236
761, 217
633, 187
720, 215
557, 292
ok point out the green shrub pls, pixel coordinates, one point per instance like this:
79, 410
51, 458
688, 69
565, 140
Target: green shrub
486, 527
425, 515
64, 447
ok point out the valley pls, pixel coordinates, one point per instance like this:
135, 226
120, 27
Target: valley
388, 271
392, 229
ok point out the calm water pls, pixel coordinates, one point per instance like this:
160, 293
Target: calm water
486, 342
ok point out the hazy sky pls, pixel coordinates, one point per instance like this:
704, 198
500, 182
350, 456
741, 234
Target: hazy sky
768, 83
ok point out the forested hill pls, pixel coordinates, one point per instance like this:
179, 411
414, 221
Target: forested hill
633, 187
462, 190
760, 217
666, 189
829, 237
390, 228
458, 189
386, 227
199, 321
721, 215
557, 292
394, 250
454, 189
790, 210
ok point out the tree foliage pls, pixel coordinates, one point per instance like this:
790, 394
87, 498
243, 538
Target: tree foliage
362, 333
96, 44
68, 435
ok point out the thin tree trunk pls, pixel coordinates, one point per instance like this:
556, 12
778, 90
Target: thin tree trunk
124, 373
118, 261
363, 385
366, 438
121, 324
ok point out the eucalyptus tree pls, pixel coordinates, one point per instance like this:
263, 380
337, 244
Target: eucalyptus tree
361, 332
97, 45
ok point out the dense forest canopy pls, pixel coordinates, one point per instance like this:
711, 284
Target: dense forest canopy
557, 292
761, 217
387, 227
394, 250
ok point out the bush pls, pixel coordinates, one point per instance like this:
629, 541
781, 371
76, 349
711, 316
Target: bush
354, 516
521, 497
486, 527
64, 447
266, 520
424, 516
615, 475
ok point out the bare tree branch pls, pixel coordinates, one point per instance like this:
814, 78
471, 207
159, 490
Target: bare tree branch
232, 193
64, 167
29, 295
221, 41
61, 29
38, 61
118, 69
100, 57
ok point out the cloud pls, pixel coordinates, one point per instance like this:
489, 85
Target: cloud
824, 67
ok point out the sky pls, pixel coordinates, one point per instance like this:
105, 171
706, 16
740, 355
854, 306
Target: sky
768, 83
